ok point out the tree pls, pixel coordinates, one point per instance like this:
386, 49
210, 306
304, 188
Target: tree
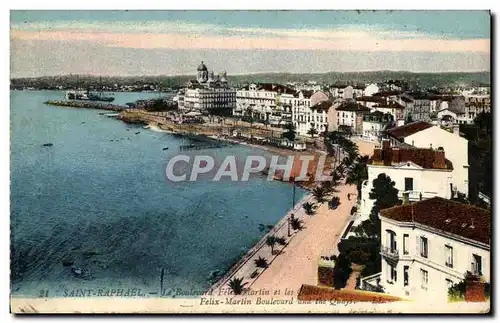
408, 119
290, 132
309, 208
281, 241
319, 193
261, 262
327, 186
312, 132
271, 242
358, 173
296, 224
237, 285
335, 202
384, 193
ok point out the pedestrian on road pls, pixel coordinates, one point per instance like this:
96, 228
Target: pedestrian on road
349, 196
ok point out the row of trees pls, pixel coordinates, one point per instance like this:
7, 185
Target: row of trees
480, 135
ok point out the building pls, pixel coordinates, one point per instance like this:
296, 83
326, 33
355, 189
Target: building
425, 135
371, 89
208, 93
420, 109
314, 114
418, 173
349, 116
374, 124
428, 246
342, 91
268, 102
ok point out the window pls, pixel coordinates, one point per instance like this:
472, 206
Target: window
449, 256
391, 241
392, 273
408, 184
406, 275
424, 277
406, 238
477, 265
423, 247
449, 283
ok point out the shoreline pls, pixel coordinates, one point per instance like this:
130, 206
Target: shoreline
233, 270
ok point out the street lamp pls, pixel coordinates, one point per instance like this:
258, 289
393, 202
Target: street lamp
291, 217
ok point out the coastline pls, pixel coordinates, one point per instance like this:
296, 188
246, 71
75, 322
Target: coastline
157, 122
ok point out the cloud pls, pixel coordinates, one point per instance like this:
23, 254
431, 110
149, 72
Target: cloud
291, 40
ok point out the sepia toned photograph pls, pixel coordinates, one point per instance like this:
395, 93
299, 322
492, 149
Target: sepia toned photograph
250, 161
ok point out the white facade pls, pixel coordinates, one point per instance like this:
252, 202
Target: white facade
420, 262
271, 102
208, 93
309, 113
428, 182
209, 99
455, 148
371, 89
372, 129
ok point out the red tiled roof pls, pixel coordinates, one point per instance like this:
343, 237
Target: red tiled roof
427, 158
461, 219
307, 93
352, 106
408, 129
323, 105
371, 99
320, 293
387, 93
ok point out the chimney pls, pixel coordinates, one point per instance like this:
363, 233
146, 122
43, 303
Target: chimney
395, 154
377, 156
474, 289
386, 144
439, 159
406, 197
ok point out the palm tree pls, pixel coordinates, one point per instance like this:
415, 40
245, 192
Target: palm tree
334, 203
358, 173
296, 224
312, 132
319, 193
309, 208
271, 242
281, 241
290, 132
237, 285
327, 186
261, 262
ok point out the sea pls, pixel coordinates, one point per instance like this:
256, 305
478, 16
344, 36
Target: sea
94, 212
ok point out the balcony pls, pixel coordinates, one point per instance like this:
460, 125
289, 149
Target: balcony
390, 253
414, 196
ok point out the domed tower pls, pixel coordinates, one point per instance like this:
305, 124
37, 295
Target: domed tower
211, 77
202, 75
223, 78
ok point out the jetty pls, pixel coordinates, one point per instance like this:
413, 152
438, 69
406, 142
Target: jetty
86, 105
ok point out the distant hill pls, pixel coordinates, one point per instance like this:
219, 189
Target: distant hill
424, 80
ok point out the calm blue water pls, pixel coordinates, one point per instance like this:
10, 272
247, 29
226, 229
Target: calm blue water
106, 206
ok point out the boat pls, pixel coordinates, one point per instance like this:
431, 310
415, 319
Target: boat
112, 115
87, 96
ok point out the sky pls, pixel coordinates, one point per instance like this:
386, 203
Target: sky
124, 43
